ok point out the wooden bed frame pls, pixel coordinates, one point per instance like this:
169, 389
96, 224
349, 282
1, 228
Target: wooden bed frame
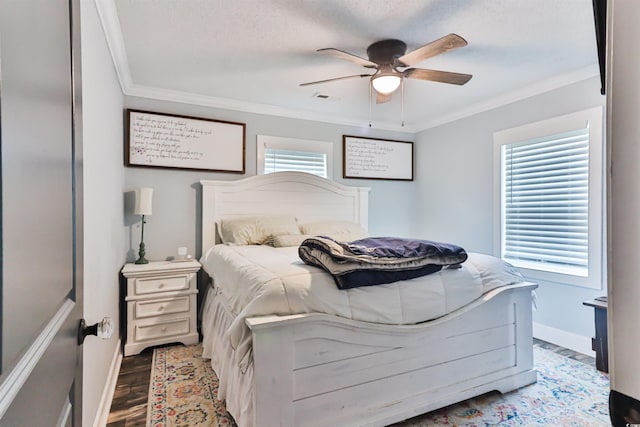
323, 370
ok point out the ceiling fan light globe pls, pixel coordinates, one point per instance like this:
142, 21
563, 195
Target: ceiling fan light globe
386, 84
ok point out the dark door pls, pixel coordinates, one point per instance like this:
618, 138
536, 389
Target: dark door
41, 264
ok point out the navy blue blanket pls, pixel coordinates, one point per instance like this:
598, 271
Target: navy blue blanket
397, 247
379, 260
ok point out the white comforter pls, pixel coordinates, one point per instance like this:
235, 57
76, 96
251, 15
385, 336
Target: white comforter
262, 280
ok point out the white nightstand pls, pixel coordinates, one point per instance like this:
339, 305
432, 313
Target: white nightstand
161, 304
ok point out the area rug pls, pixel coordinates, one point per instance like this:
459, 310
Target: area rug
568, 393
182, 390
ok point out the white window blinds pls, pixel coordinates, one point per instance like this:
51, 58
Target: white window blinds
278, 160
545, 209
279, 154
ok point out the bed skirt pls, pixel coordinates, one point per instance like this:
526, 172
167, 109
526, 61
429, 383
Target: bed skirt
235, 386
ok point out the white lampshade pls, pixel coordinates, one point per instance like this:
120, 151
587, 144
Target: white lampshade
386, 83
143, 201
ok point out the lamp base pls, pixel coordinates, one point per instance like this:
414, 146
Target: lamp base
141, 253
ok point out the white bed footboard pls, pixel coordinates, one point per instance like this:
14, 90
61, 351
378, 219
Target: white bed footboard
321, 370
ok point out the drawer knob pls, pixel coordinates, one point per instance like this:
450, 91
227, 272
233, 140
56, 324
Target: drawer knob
164, 329
161, 308
161, 285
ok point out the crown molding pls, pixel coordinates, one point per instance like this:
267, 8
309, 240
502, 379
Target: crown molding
115, 42
538, 88
251, 107
111, 27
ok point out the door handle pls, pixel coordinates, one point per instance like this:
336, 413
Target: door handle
102, 329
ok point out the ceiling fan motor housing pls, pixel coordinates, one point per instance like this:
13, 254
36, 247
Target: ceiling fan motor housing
386, 52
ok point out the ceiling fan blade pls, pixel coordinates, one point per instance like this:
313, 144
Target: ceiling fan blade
381, 98
436, 47
437, 76
334, 79
349, 57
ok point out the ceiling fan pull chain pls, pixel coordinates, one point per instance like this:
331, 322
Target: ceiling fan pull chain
402, 102
370, 101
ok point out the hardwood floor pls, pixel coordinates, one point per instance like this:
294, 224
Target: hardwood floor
129, 406
591, 361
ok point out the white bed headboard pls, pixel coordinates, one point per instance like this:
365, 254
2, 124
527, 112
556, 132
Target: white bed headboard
307, 197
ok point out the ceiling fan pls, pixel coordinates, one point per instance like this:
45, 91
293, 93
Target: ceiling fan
389, 56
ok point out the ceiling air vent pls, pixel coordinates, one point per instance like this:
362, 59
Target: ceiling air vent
325, 97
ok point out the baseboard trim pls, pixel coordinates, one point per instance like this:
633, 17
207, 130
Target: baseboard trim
565, 339
106, 399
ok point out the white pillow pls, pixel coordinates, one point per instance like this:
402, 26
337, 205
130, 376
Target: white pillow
338, 230
285, 240
257, 230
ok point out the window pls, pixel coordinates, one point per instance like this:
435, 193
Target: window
276, 154
550, 198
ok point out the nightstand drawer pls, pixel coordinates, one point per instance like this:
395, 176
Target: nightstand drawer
157, 307
160, 330
161, 284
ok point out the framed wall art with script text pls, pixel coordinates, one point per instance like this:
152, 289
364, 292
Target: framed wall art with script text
183, 142
369, 158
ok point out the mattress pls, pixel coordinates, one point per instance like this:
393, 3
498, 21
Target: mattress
262, 280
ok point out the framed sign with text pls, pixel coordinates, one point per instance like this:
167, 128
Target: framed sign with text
370, 158
183, 142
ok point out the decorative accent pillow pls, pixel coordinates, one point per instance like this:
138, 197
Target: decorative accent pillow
258, 230
338, 230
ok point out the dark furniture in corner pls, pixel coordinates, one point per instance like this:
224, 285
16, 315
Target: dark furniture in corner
599, 343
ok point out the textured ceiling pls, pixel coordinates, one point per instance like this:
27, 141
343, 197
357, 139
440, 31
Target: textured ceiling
252, 55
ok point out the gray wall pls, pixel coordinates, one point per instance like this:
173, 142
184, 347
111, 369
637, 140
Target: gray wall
176, 200
455, 185
105, 240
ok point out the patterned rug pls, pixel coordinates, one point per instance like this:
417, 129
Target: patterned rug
568, 393
182, 390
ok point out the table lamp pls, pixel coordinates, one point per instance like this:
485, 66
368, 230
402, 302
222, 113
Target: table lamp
143, 207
